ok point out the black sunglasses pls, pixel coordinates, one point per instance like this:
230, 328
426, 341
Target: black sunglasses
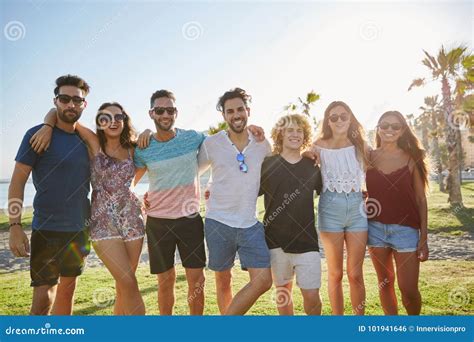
335, 117
162, 110
65, 99
395, 126
104, 119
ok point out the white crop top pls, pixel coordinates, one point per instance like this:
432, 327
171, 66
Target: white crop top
341, 170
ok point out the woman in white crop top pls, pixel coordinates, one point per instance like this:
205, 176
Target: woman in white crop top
341, 211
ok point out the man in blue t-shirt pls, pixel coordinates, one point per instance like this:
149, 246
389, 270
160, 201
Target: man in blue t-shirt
59, 242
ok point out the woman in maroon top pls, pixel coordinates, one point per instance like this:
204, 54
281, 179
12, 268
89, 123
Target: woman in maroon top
397, 180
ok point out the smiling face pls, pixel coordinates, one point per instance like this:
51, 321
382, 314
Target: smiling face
293, 137
164, 121
339, 120
236, 114
114, 127
387, 129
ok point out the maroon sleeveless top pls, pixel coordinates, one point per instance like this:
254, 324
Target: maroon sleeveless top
396, 195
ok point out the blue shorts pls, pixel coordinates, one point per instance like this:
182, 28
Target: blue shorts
395, 236
341, 212
224, 242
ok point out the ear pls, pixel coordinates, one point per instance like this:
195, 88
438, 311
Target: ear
223, 115
176, 114
150, 112
85, 103
55, 100
248, 111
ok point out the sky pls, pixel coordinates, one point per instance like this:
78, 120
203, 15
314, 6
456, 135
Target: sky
363, 53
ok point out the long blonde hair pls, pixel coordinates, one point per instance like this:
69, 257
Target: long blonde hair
355, 133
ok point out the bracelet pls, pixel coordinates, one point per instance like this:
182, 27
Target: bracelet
47, 124
15, 224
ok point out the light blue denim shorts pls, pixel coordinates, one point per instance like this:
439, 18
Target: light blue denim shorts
341, 212
224, 242
400, 238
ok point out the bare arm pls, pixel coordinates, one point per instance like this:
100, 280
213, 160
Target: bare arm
89, 137
42, 138
18, 241
422, 205
139, 172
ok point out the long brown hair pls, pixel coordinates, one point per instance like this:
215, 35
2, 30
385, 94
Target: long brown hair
355, 133
128, 135
410, 144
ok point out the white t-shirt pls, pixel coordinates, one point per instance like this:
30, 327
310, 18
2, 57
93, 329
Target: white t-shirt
234, 193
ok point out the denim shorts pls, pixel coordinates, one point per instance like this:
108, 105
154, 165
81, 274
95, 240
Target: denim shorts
395, 236
224, 242
341, 212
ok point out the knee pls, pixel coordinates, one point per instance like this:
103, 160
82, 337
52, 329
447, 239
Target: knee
335, 276
223, 281
127, 283
263, 283
355, 277
409, 294
66, 289
197, 281
167, 280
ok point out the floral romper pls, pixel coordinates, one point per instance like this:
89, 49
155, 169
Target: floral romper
116, 210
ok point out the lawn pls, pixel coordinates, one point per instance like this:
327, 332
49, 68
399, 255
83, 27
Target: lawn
447, 288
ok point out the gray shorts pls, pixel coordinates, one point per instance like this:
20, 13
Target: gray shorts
224, 242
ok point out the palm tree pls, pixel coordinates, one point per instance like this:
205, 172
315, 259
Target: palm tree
446, 68
221, 126
435, 117
304, 106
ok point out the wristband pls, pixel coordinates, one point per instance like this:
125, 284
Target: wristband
47, 124
15, 224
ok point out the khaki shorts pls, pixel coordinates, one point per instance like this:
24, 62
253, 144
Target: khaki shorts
306, 266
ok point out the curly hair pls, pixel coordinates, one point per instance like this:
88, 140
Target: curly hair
283, 123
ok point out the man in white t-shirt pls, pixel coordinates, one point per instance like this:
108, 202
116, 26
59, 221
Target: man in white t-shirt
231, 225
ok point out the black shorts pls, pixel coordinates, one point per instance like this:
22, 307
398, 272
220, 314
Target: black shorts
55, 254
163, 235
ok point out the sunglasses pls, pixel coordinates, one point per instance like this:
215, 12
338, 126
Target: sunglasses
395, 126
104, 119
335, 117
162, 110
242, 166
65, 99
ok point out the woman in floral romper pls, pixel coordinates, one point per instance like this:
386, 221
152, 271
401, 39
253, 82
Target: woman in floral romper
116, 224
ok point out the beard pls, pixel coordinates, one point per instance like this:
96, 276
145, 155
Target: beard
240, 128
63, 115
165, 127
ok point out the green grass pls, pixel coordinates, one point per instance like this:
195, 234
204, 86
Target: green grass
447, 288
442, 218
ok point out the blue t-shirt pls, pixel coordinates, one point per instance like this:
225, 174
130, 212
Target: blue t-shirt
61, 178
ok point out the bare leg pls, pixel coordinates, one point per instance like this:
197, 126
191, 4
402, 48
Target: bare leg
334, 252
260, 282
196, 281
224, 290
43, 298
383, 264
64, 301
284, 299
311, 301
408, 272
115, 257
356, 243
166, 282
